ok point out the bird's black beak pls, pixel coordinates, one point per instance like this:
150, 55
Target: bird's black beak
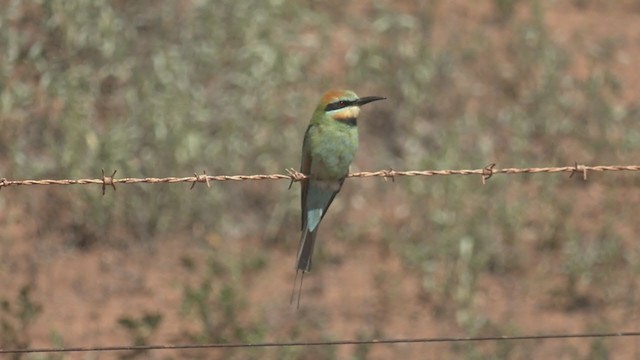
368, 99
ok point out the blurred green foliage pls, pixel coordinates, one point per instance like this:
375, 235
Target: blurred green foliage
178, 90
16, 318
172, 88
141, 330
217, 303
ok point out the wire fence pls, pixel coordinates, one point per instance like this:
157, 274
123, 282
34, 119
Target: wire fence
322, 343
485, 173
292, 175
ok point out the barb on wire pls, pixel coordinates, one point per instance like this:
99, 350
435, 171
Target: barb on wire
201, 178
322, 343
294, 176
108, 180
487, 172
390, 174
578, 168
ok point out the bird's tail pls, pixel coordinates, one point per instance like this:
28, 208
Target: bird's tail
318, 199
305, 250
303, 263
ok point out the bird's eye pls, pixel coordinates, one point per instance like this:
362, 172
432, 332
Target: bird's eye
337, 105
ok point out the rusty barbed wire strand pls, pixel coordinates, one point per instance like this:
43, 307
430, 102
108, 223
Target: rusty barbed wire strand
293, 175
322, 343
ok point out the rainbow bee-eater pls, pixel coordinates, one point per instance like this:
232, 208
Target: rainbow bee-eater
329, 146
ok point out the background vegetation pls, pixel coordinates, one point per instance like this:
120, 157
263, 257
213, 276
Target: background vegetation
171, 88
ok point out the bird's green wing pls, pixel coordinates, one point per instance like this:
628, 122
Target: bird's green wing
305, 168
324, 212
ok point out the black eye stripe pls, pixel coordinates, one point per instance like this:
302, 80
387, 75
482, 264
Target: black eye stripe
339, 105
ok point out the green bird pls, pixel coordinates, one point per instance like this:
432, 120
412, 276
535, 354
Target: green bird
329, 146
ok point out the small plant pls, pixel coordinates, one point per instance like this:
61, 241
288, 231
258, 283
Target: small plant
218, 302
17, 317
141, 330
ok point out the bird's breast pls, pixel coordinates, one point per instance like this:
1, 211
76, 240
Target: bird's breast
332, 150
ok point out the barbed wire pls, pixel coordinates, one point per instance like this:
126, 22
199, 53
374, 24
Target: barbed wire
486, 173
322, 343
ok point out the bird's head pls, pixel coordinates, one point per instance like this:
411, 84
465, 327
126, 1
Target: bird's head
343, 105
